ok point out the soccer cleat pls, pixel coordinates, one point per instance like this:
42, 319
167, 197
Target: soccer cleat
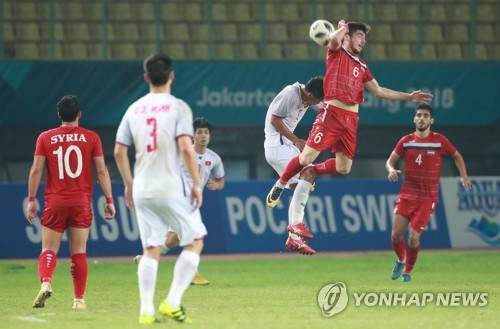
301, 230
397, 269
299, 246
406, 277
77, 305
137, 259
198, 280
44, 293
147, 319
176, 313
274, 196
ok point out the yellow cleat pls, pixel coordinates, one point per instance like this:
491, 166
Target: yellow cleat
137, 259
176, 313
44, 293
77, 305
147, 319
198, 280
273, 197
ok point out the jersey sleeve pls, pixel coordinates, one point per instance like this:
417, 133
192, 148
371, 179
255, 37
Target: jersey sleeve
217, 171
282, 103
368, 76
447, 147
124, 133
184, 124
40, 149
399, 149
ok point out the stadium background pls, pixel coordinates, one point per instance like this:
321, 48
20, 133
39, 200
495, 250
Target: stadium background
231, 58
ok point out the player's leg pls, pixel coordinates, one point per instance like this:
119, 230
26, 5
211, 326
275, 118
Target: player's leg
295, 165
422, 217
47, 262
191, 231
79, 266
399, 226
301, 193
152, 230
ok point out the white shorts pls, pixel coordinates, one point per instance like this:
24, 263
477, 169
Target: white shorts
279, 156
156, 215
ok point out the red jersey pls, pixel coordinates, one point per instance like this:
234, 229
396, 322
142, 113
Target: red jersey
423, 159
68, 153
345, 77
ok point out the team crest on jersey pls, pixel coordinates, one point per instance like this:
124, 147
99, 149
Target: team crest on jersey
208, 163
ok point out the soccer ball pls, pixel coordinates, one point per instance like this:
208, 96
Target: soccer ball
320, 30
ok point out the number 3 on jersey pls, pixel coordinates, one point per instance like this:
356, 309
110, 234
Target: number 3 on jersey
418, 160
152, 122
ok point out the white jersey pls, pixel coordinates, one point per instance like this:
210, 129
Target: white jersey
289, 106
152, 124
209, 166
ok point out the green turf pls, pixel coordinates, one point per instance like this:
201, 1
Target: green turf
259, 294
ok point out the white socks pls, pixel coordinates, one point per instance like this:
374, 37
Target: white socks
298, 203
185, 268
147, 273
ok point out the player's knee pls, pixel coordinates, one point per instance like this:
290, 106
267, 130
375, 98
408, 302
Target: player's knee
309, 174
413, 240
396, 237
343, 170
172, 241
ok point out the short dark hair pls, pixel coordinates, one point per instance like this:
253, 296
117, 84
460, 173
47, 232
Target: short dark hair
356, 26
202, 123
426, 107
157, 67
315, 86
68, 108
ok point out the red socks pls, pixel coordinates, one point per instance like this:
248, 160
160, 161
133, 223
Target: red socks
327, 167
79, 271
399, 248
292, 169
46, 265
411, 258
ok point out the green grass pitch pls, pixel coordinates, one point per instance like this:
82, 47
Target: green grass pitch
261, 293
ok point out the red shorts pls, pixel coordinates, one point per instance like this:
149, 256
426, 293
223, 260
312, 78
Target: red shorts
60, 218
418, 212
334, 128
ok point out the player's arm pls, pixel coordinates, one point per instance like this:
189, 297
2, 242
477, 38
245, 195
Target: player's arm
216, 184
386, 93
335, 39
389, 166
460, 163
185, 144
280, 126
105, 184
34, 179
123, 164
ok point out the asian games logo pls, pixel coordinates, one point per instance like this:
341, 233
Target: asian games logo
484, 198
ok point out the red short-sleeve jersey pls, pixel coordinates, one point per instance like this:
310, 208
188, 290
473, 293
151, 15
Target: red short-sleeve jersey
68, 153
423, 159
345, 77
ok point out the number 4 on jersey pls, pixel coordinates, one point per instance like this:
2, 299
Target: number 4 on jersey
418, 160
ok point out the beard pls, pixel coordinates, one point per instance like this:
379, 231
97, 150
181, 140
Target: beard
423, 128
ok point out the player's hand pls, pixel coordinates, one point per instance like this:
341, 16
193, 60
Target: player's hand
420, 97
196, 197
129, 201
300, 143
109, 211
31, 211
393, 175
212, 185
466, 183
341, 24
